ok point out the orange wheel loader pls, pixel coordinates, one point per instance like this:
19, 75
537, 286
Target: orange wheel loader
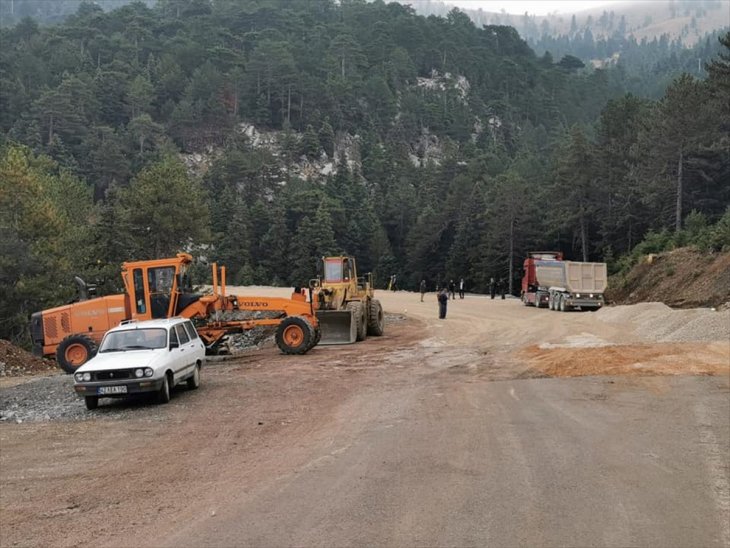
161, 289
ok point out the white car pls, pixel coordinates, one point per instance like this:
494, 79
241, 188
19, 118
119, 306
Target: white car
136, 357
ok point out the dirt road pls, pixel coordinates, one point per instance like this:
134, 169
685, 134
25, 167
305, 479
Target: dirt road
442, 433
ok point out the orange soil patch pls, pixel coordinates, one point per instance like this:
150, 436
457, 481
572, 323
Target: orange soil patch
632, 359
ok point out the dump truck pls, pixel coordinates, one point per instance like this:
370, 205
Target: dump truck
345, 303
161, 289
551, 282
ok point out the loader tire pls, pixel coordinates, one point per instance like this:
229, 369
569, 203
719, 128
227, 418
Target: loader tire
74, 351
359, 313
317, 336
376, 319
295, 335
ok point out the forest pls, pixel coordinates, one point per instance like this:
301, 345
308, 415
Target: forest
455, 149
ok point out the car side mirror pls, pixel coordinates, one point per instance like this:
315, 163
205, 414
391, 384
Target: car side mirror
174, 345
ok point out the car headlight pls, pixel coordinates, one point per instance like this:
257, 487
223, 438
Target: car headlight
148, 372
86, 377
79, 377
577, 295
591, 295
138, 373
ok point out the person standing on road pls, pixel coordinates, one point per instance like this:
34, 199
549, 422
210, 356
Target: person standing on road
461, 288
393, 283
443, 299
423, 289
452, 289
492, 287
502, 287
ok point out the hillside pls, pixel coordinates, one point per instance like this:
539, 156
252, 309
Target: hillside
689, 20
683, 278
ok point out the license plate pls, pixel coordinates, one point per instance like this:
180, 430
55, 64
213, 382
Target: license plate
102, 390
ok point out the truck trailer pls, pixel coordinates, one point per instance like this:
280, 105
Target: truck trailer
551, 282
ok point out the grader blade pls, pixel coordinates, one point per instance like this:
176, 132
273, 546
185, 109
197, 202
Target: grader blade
337, 326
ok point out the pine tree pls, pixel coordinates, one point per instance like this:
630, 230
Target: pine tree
327, 138
309, 145
676, 131
166, 208
314, 238
572, 199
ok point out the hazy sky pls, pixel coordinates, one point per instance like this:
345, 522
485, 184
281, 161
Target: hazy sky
536, 7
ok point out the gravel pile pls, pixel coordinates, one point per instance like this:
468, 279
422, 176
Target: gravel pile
393, 318
658, 323
53, 398
252, 339
238, 315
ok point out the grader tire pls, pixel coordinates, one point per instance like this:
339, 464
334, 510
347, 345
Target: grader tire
360, 315
295, 335
74, 351
376, 319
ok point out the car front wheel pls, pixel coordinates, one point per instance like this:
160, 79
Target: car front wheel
92, 402
163, 396
194, 381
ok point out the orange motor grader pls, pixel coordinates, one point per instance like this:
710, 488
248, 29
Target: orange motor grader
161, 289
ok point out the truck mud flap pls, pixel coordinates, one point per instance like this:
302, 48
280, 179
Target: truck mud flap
337, 326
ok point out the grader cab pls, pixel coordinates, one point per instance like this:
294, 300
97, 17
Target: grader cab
161, 289
346, 307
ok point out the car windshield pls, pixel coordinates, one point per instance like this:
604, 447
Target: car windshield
134, 339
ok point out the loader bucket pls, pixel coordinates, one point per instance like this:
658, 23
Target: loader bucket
337, 327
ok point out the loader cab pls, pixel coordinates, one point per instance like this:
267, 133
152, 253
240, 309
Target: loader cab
155, 287
339, 270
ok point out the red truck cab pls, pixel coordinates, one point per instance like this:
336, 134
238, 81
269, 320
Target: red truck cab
531, 293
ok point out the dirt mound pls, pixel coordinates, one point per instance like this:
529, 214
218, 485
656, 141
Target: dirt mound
16, 362
631, 360
683, 278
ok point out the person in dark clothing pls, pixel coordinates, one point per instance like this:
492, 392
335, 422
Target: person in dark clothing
502, 287
423, 289
461, 288
443, 298
492, 287
452, 289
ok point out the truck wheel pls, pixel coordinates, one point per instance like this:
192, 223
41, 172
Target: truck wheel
194, 381
376, 319
163, 396
294, 335
358, 312
74, 351
92, 402
562, 304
